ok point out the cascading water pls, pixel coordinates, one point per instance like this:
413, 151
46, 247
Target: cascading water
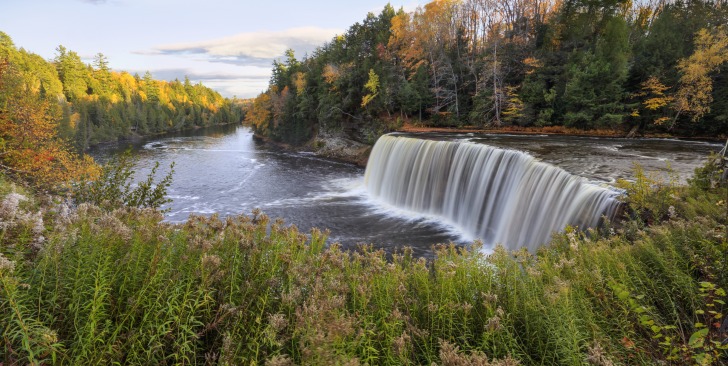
499, 196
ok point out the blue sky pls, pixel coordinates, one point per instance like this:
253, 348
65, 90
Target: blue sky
229, 45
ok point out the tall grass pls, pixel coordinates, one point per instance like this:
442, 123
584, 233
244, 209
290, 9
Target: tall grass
124, 287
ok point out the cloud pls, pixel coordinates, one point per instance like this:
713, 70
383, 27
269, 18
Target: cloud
245, 84
171, 74
95, 2
253, 48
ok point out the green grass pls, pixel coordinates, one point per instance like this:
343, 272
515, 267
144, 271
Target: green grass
123, 287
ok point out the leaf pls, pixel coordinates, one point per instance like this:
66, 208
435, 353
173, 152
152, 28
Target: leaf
696, 340
627, 343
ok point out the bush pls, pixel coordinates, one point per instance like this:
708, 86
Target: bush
114, 188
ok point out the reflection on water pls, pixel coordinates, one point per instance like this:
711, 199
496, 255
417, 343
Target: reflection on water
224, 170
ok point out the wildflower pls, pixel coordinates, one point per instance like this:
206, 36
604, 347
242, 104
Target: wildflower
596, 356
6, 265
401, 344
533, 271
280, 360
211, 262
573, 240
10, 204
494, 323
432, 307
278, 322
489, 298
671, 212
49, 336
116, 226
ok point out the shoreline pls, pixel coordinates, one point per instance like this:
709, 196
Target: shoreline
331, 147
135, 137
551, 130
345, 150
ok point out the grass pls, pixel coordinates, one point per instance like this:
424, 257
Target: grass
123, 287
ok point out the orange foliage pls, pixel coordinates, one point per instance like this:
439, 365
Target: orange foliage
259, 114
29, 145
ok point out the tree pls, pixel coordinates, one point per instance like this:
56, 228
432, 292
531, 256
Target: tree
102, 74
71, 71
29, 145
694, 93
371, 87
655, 100
259, 115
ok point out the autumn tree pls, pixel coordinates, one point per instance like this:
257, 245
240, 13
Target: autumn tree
694, 93
656, 99
29, 145
371, 87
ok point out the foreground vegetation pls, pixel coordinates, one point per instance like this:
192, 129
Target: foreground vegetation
113, 284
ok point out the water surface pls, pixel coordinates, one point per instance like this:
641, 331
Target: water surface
223, 170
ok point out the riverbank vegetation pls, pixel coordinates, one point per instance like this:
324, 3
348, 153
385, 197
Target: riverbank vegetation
90, 103
652, 66
108, 283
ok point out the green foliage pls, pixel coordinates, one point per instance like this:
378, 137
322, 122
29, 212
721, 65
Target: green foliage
115, 187
575, 63
652, 198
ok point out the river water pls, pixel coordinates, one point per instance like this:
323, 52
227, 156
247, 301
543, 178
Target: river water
223, 170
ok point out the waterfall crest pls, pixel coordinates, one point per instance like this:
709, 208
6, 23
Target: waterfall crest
499, 196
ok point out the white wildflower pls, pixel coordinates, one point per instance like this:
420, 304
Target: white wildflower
6, 264
671, 212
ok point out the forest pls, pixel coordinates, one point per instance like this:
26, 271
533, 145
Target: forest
618, 65
90, 103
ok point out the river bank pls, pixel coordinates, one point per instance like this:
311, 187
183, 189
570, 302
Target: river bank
553, 130
135, 137
331, 146
341, 148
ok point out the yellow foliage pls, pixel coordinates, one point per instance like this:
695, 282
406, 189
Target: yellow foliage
694, 94
259, 114
299, 81
372, 86
331, 74
656, 92
74, 118
515, 105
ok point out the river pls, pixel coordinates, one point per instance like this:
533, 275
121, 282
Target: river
224, 170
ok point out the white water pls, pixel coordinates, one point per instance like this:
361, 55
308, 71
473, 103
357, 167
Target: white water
499, 196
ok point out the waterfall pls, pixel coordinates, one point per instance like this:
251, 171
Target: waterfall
499, 196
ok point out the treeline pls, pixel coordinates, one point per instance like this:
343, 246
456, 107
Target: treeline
593, 64
96, 104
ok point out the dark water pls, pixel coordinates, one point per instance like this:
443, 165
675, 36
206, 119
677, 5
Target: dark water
224, 170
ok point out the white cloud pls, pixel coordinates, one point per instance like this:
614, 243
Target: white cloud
253, 48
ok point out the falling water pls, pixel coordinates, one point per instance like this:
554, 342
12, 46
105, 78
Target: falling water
499, 196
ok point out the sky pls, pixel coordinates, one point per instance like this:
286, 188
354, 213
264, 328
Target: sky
228, 45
